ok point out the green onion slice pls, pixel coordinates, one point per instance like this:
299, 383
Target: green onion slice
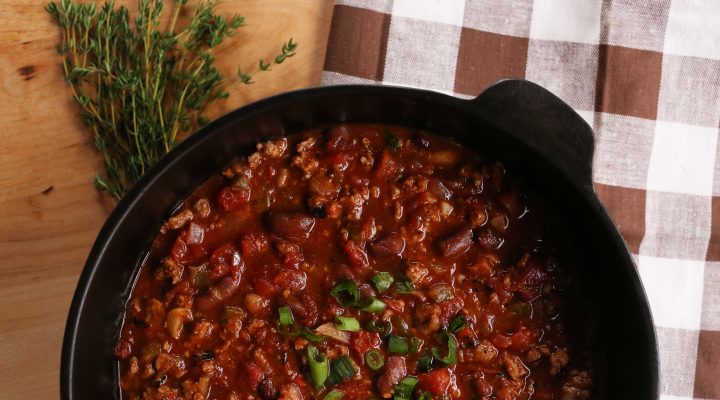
374, 359
334, 395
451, 357
319, 366
233, 312
347, 324
404, 285
398, 345
303, 332
415, 344
392, 141
372, 304
404, 389
384, 328
458, 323
341, 369
382, 281
346, 293
425, 396
425, 363
286, 315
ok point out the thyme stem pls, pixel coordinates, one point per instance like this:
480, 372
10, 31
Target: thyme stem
139, 86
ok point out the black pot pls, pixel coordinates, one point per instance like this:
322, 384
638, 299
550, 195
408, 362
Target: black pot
530, 130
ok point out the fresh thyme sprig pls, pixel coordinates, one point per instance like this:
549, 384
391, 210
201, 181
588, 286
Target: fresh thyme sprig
139, 87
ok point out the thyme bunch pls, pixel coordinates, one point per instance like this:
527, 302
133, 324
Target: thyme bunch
140, 87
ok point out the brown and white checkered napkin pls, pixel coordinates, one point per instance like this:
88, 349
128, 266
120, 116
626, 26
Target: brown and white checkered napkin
645, 74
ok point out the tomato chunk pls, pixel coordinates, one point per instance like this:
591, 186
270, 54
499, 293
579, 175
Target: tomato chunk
254, 375
363, 341
386, 166
436, 382
523, 339
230, 199
179, 250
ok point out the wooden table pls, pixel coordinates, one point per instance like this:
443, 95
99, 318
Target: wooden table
45, 237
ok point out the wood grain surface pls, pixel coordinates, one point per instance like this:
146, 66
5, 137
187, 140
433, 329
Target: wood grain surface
49, 211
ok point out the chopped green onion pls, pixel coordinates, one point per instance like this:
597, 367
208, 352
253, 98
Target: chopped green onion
233, 312
346, 293
311, 336
425, 396
286, 315
415, 343
404, 285
374, 359
372, 304
382, 281
319, 366
392, 141
398, 345
425, 363
404, 389
347, 323
384, 328
451, 357
334, 395
200, 276
341, 369
305, 333
458, 323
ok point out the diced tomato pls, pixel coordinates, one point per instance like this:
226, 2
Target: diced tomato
357, 256
465, 332
230, 199
264, 287
252, 244
292, 258
123, 348
226, 254
253, 374
395, 305
482, 268
523, 339
500, 341
363, 341
291, 279
530, 280
436, 382
179, 250
339, 159
197, 251
449, 309
385, 167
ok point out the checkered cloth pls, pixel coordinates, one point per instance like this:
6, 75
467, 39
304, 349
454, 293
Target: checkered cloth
644, 73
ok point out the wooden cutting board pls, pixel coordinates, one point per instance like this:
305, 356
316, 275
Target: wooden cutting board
49, 211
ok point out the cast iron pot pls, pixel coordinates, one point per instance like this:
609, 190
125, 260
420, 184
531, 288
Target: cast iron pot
526, 127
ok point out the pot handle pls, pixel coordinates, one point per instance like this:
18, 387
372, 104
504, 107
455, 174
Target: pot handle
543, 121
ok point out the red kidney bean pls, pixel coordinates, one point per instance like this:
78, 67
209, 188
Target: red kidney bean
390, 245
220, 291
457, 243
291, 226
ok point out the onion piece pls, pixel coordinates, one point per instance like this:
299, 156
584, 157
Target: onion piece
196, 234
330, 330
176, 318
